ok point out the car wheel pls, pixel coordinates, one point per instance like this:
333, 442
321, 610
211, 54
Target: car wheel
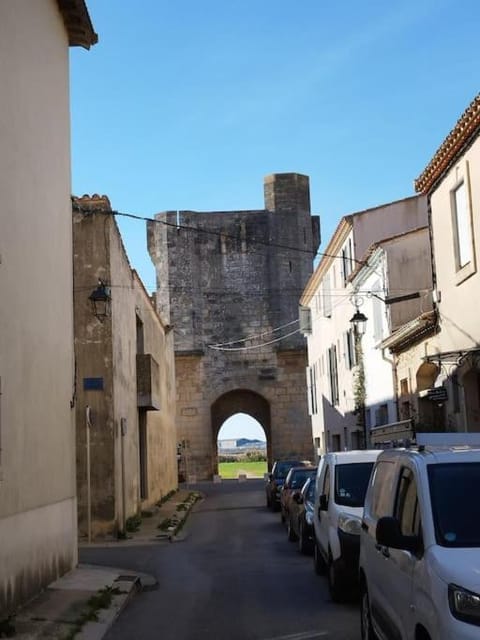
292, 536
304, 545
335, 583
365, 617
318, 561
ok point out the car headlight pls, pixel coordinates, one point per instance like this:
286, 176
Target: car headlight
309, 517
349, 523
464, 604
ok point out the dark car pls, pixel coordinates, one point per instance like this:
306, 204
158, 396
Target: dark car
300, 522
296, 478
276, 479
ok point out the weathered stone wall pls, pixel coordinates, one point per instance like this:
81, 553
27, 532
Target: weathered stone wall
108, 351
225, 276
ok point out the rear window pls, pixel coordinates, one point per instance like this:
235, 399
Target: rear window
455, 507
299, 478
282, 468
351, 482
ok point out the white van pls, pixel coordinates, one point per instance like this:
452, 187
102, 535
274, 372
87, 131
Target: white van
341, 483
419, 563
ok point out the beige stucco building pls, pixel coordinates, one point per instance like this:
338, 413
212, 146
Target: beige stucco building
452, 183
126, 439
327, 299
37, 428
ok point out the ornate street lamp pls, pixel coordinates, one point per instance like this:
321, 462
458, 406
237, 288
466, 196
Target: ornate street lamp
100, 299
359, 321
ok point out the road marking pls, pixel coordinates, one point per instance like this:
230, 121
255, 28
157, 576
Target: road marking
305, 635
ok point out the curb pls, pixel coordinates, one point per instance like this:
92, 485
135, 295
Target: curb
96, 629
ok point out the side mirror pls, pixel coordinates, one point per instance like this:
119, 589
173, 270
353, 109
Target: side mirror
388, 534
323, 502
270, 476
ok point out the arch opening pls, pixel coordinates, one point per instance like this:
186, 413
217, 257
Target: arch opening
237, 413
241, 447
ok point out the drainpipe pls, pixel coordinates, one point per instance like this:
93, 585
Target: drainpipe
88, 425
123, 432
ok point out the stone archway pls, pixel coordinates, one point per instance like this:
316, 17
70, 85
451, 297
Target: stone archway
241, 401
431, 414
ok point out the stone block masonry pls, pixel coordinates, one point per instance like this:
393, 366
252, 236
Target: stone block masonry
234, 279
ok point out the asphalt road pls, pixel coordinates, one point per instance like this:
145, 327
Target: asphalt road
234, 577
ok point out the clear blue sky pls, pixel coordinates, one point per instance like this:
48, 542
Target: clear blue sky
188, 105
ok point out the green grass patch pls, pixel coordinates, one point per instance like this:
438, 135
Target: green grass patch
233, 469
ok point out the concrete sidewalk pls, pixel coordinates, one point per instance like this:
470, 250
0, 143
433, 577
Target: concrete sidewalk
84, 603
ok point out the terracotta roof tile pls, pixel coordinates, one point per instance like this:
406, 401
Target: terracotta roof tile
464, 132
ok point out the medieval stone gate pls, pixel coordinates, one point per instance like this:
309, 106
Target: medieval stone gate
228, 284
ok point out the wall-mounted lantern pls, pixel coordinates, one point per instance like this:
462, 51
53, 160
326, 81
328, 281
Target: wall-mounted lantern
359, 321
100, 299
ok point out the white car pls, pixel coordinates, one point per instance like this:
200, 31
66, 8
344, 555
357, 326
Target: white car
419, 563
341, 483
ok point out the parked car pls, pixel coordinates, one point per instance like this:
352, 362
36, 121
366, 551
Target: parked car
276, 479
420, 544
296, 478
341, 483
300, 521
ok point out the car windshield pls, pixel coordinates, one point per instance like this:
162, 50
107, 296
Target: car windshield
282, 468
300, 476
456, 511
351, 481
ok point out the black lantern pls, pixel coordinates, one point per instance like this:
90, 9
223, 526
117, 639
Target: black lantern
359, 321
100, 299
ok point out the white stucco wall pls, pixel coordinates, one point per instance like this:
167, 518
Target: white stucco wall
37, 486
458, 313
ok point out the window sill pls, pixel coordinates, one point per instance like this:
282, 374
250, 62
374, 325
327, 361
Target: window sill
464, 273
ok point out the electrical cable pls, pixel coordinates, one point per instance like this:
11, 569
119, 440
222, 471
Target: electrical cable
257, 346
258, 335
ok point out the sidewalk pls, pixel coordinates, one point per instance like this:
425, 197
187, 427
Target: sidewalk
84, 603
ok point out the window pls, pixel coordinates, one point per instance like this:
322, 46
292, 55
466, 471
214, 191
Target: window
312, 389
347, 260
327, 296
336, 446
326, 483
351, 482
349, 341
462, 227
333, 372
381, 415
406, 504
382, 481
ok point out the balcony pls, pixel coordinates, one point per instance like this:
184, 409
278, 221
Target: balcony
148, 382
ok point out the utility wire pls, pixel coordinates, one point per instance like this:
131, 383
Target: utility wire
257, 346
254, 337
219, 234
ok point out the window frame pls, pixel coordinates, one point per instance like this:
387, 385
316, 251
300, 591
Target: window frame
462, 178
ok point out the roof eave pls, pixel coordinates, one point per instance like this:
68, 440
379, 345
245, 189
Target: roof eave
460, 137
77, 23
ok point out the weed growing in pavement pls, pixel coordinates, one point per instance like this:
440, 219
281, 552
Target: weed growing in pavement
166, 497
101, 600
133, 523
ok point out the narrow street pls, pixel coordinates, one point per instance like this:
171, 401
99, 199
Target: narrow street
234, 577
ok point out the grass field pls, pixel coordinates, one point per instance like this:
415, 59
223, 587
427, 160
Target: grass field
232, 469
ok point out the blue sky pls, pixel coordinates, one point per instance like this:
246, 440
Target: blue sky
188, 105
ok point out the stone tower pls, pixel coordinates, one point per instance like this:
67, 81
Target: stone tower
229, 283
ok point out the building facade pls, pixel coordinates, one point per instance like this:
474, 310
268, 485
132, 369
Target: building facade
37, 426
337, 397
451, 181
228, 283
125, 398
